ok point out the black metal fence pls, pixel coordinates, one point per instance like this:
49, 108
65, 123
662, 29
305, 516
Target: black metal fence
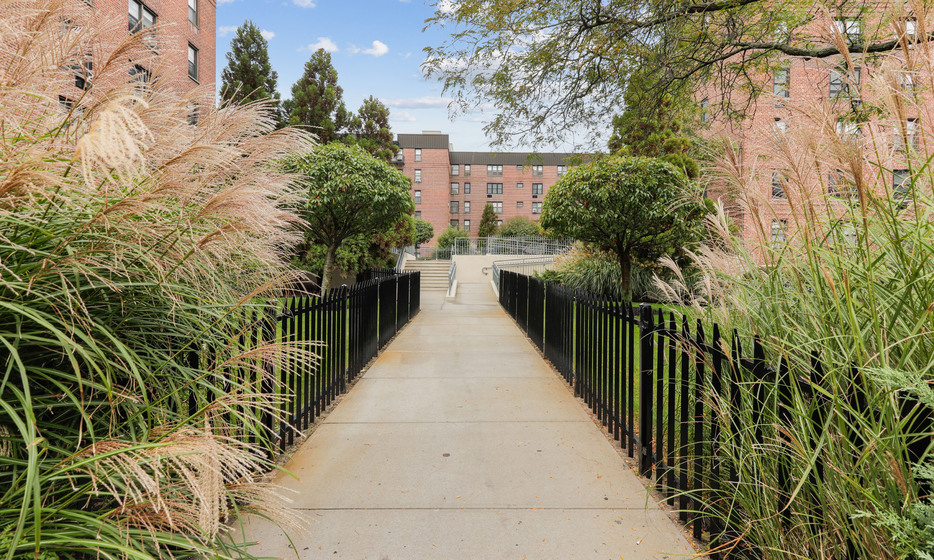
351, 324
670, 395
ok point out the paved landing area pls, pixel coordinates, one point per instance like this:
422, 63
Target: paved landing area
461, 443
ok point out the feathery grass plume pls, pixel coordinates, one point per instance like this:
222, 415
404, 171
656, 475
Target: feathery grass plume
138, 257
853, 283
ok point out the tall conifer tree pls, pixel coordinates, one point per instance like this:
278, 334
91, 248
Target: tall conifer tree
317, 100
371, 129
248, 75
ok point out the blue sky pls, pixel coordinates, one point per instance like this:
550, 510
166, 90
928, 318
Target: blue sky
376, 47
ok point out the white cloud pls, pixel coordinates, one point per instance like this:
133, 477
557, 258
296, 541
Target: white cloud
402, 116
426, 102
267, 34
379, 48
225, 30
447, 6
302, 3
322, 43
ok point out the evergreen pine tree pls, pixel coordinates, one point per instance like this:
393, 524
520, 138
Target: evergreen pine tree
371, 129
317, 100
248, 75
487, 222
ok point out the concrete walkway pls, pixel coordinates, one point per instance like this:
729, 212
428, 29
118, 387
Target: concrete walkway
461, 443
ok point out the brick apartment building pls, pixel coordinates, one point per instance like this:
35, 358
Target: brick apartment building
180, 46
452, 188
800, 86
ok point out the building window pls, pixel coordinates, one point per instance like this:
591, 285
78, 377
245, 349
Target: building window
141, 17
906, 80
850, 28
466, 170
901, 184
454, 224
497, 207
781, 127
494, 188
562, 169
778, 231
455, 169
65, 103
536, 207
704, 110
466, 207
455, 188
537, 188
83, 74
838, 186
455, 207
519, 169
499, 223
778, 185
843, 83
466, 225
418, 175
192, 62
494, 170
781, 82
141, 78
909, 137
418, 197
848, 131
193, 11
418, 154
520, 185
418, 214
538, 171
193, 114
519, 204
466, 188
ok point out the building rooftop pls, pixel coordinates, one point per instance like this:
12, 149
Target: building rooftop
425, 141
512, 158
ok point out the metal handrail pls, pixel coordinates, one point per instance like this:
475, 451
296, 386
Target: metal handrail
534, 245
452, 274
400, 260
516, 263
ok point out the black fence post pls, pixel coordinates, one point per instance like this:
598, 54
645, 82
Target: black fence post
268, 373
647, 350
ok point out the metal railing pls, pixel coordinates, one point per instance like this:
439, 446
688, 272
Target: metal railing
510, 246
452, 274
400, 259
679, 396
528, 266
351, 324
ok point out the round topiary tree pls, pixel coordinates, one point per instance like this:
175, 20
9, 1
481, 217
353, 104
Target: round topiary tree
630, 206
424, 231
350, 193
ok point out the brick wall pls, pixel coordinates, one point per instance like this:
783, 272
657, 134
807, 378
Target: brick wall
435, 174
437, 178
169, 60
760, 149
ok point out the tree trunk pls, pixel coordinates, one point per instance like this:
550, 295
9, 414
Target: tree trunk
328, 266
625, 275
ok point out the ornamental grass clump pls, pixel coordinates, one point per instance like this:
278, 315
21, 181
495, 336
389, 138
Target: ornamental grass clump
134, 247
844, 309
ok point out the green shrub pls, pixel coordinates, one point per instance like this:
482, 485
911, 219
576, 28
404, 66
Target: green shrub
447, 237
520, 226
